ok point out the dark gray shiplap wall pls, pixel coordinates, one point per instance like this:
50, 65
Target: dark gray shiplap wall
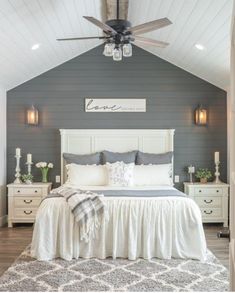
171, 93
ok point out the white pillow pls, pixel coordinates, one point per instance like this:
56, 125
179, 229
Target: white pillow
153, 175
86, 174
120, 174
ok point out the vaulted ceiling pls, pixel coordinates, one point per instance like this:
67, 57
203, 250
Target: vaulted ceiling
24, 23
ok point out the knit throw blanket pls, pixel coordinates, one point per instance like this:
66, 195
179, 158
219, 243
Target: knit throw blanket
87, 207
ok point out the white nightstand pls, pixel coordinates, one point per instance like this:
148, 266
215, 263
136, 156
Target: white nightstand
24, 200
212, 199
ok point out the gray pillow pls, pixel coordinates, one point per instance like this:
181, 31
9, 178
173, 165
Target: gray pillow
111, 157
147, 158
82, 159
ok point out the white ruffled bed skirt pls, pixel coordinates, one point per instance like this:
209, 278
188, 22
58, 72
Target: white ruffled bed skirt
137, 227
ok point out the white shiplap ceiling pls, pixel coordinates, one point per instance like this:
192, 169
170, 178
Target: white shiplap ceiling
24, 23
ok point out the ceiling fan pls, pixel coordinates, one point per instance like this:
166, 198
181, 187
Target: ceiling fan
119, 34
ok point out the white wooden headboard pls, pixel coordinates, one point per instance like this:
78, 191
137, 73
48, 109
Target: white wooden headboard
87, 141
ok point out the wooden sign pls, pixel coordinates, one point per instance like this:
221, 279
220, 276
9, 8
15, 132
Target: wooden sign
115, 105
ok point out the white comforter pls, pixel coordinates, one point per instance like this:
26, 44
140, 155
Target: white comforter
162, 227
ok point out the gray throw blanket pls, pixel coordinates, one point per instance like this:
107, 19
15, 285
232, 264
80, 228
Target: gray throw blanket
87, 208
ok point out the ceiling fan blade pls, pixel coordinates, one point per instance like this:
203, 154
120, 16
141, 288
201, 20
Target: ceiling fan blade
150, 26
100, 24
151, 41
83, 38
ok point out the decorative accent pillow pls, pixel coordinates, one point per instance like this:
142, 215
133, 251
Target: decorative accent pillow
111, 157
157, 159
153, 175
84, 175
120, 174
90, 159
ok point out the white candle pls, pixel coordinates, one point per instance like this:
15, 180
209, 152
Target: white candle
18, 152
29, 158
216, 157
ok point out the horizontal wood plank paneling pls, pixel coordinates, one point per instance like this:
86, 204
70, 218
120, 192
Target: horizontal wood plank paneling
172, 95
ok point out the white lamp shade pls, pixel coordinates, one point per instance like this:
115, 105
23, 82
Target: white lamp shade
201, 116
108, 50
32, 116
127, 50
117, 54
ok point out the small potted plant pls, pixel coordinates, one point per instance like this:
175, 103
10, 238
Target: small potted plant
203, 175
27, 178
44, 167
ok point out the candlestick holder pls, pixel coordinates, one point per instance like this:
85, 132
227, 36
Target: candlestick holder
191, 177
29, 164
217, 173
29, 167
17, 174
191, 171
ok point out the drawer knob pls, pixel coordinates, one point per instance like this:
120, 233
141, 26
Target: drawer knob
28, 212
200, 190
28, 201
217, 190
208, 213
208, 201
18, 191
35, 191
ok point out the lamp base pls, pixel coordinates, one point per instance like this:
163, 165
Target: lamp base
217, 181
217, 174
17, 181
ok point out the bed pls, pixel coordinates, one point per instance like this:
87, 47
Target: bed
144, 221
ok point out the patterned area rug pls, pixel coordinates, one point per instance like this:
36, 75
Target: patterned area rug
28, 274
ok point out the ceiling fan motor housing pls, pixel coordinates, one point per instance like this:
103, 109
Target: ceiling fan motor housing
119, 25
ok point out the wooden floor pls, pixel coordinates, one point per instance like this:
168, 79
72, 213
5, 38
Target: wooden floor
14, 240
219, 246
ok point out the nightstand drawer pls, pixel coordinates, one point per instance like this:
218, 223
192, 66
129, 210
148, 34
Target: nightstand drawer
208, 191
208, 201
211, 213
27, 201
25, 213
28, 190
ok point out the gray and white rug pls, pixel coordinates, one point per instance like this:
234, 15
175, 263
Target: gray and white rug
28, 274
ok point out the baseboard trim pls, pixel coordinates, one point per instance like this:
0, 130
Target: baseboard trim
232, 264
3, 220
3, 216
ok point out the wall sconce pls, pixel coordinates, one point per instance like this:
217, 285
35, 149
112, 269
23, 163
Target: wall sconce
32, 116
201, 115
